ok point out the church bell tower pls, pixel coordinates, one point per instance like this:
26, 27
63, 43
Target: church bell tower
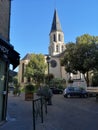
56, 45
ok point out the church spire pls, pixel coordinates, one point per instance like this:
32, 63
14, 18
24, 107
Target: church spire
56, 23
57, 45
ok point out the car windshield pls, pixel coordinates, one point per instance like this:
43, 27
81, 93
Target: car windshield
77, 89
70, 88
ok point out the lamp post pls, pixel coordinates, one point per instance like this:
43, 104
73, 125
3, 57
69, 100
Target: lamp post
49, 92
48, 61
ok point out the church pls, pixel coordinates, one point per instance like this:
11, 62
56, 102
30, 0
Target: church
56, 49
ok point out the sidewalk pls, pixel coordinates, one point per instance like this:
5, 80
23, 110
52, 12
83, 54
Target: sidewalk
20, 116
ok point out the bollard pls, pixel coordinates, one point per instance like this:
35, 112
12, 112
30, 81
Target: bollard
41, 100
33, 116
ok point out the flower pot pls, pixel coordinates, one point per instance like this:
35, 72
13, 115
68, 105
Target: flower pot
29, 96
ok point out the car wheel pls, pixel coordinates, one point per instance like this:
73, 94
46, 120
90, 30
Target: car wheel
64, 95
85, 95
60, 92
68, 96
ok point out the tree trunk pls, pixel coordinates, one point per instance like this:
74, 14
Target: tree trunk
87, 78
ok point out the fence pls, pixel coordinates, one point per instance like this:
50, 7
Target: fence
39, 108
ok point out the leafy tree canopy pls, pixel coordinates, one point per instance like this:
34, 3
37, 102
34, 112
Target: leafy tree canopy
36, 67
81, 56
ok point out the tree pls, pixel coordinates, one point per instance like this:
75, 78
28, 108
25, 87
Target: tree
82, 56
95, 79
68, 60
48, 78
35, 69
58, 83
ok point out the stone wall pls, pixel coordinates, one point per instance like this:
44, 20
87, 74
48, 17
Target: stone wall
5, 18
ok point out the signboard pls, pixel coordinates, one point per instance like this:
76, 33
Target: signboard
7, 51
4, 49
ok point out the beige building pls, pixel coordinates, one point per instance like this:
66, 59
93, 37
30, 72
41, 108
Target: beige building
22, 66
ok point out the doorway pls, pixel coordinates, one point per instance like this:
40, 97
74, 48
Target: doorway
2, 85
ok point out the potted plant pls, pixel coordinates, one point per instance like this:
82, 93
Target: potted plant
29, 92
17, 91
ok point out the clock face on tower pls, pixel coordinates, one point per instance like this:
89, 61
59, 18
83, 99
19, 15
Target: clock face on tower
53, 63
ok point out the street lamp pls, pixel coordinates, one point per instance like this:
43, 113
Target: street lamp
49, 92
48, 61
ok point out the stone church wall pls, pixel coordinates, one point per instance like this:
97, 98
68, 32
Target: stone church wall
56, 71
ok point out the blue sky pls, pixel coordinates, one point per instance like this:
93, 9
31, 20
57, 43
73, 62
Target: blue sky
31, 22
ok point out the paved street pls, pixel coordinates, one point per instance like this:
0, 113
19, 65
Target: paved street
64, 114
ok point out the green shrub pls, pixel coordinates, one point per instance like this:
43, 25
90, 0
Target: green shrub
16, 91
29, 88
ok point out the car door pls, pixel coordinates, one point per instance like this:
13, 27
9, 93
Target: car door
76, 91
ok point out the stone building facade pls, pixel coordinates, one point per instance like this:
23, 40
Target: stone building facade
21, 78
5, 7
7, 55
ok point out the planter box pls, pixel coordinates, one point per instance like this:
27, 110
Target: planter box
29, 96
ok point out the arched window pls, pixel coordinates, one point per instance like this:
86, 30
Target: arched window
54, 38
57, 48
62, 48
59, 37
23, 72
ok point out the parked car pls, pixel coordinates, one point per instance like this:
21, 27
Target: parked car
56, 90
75, 91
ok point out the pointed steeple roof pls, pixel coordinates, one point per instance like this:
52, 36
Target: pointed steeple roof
56, 26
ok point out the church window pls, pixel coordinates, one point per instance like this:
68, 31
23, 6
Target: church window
54, 38
62, 48
53, 63
59, 37
57, 48
23, 72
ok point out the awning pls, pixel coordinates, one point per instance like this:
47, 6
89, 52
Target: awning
7, 51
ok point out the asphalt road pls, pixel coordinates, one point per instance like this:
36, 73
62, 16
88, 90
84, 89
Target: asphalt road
64, 114
75, 113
